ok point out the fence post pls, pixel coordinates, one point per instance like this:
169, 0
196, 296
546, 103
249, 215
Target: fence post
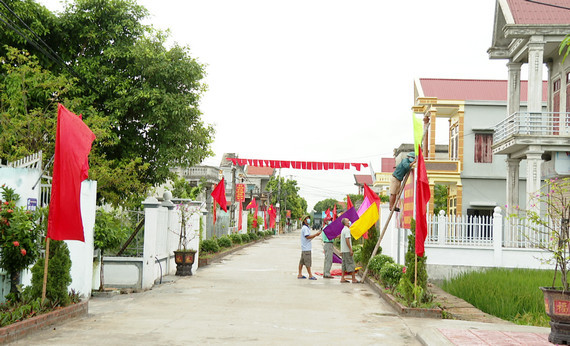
498, 236
441, 228
151, 213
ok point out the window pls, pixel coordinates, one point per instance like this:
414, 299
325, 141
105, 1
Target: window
454, 143
483, 152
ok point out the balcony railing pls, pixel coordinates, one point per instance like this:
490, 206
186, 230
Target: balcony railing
533, 124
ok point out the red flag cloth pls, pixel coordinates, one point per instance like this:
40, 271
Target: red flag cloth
252, 204
348, 202
240, 216
73, 141
335, 215
219, 195
372, 196
423, 196
272, 216
328, 214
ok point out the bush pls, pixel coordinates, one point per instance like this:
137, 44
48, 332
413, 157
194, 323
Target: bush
369, 245
253, 236
236, 238
59, 276
407, 283
357, 250
209, 245
245, 238
391, 273
224, 241
378, 262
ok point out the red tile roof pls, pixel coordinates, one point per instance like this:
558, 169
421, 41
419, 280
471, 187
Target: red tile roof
362, 179
540, 11
388, 164
252, 170
473, 89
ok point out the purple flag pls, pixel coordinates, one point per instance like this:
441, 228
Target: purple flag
336, 259
334, 228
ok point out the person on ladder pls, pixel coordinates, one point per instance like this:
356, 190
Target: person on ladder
396, 179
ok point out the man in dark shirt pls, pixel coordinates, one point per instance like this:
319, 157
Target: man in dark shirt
399, 173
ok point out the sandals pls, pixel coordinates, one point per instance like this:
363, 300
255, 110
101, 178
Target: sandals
312, 278
301, 277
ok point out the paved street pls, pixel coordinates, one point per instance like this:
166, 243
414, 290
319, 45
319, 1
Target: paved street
252, 297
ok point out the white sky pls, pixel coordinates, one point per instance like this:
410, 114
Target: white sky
323, 80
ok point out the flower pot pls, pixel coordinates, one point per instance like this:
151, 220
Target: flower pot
557, 304
184, 261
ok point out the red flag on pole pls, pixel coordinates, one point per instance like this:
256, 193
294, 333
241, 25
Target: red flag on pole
240, 216
252, 204
272, 216
73, 141
348, 202
328, 214
334, 215
423, 196
372, 196
219, 195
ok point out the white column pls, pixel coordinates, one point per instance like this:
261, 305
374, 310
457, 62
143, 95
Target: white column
498, 237
441, 228
151, 216
514, 88
535, 63
533, 183
513, 167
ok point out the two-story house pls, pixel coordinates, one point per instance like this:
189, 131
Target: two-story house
530, 32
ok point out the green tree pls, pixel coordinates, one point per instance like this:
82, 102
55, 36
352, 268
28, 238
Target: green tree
440, 198
325, 204
59, 274
286, 192
109, 233
415, 292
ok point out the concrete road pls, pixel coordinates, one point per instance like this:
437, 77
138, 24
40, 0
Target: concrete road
250, 297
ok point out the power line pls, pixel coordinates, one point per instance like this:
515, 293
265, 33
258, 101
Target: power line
547, 4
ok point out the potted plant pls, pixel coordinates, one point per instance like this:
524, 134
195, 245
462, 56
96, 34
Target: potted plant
548, 221
184, 257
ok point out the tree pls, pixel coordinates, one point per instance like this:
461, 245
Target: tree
140, 98
325, 204
286, 193
109, 233
440, 198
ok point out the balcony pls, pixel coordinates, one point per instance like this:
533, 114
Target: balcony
522, 129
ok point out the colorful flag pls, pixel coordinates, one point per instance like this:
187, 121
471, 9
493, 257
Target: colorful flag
334, 228
418, 131
334, 214
366, 220
336, 259
252, 204
219, 195
371, 195
423, 196
73, 141
348, 202
364, 206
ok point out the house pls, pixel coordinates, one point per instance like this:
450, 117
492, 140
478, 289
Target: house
474, 177
530, 33
360, 180
382, 178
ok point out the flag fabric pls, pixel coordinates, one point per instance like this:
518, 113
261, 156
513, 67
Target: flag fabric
423, 196
336, 259
418, 132
240, 219
272, 216
371, 195
334, 228
348, 202
328, 214
73, 141
334, 214
255, 216
366, 220
252, 204
364, 206
219, 195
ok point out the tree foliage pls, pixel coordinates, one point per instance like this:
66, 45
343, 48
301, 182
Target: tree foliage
140, 97
286, 193
325, 204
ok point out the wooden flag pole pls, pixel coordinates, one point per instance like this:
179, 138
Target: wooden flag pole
44, 287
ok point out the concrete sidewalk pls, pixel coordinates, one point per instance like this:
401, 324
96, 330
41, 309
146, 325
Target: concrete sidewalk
254, 297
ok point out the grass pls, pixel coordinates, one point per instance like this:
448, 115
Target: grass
511, 294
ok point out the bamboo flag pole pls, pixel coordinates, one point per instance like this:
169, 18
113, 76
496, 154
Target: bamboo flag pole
44, 287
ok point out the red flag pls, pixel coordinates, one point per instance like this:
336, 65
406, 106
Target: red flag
328, 214
240, 216
272, 216
335, 215
423, 196
73, 141
252, 204
219, 195
348, 202
372, 196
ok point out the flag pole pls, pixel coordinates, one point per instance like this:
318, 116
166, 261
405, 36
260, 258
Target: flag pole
416, 279
44, 287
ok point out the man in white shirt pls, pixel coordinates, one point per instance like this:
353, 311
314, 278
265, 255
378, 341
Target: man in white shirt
306, 247
347, 253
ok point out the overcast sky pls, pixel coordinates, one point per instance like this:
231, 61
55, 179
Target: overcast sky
323, 80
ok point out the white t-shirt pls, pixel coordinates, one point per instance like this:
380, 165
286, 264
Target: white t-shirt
345, 234
305, 243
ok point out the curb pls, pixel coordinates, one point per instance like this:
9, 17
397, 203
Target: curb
401, 309
218, 256
28, 326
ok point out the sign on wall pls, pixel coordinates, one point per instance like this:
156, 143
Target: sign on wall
240, 192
